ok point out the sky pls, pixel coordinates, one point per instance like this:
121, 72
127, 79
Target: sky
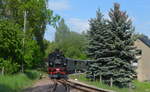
77, 13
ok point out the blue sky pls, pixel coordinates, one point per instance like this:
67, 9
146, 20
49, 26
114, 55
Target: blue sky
77, 13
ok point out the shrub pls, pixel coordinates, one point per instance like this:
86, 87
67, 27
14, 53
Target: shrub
8, 66
33, 74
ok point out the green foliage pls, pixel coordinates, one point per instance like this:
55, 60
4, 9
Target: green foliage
8, 66
111, 45
62, 31
38, 16
121, 26
29, 53
70, 47
99, 47
11, 43
32, 56
33, 74
71, 43
50, 48
14, 53
10, 46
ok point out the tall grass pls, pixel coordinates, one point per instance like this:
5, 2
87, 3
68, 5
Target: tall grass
139, 86
14, 83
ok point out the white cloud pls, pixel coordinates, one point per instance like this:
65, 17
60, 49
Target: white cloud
75, 24
78, 25
59, 4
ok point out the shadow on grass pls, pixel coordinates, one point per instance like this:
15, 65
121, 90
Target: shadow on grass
4, 88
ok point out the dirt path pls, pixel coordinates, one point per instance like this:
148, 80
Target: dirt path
46, 85
40, 86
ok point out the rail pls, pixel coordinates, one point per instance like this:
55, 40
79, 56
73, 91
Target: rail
82, 87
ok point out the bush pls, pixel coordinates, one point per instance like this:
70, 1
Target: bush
33, 74
10, 46
8, 66
32, 57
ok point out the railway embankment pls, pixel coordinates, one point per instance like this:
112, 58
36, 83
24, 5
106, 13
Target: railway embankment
138, 86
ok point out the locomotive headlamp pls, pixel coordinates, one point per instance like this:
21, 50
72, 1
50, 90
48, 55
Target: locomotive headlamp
57, 69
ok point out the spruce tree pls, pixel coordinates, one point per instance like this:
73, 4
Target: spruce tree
111, 44
99, 47
124, 51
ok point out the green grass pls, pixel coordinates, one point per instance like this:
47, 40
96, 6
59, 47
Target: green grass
15, 83
140, 86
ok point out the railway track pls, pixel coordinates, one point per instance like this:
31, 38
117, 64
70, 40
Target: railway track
56, 84
81, 87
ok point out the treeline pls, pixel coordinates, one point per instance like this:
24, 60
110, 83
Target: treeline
71, 43
22, 28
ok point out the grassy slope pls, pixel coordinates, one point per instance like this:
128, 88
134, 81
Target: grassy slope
140, 86
14, 83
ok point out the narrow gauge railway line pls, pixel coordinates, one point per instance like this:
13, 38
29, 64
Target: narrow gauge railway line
81, 87
56, 86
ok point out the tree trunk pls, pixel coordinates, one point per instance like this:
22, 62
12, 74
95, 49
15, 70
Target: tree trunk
3, 70
100, 78
111, 82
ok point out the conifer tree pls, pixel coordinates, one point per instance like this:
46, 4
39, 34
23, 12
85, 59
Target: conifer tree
124, 51
111, 45
100, 46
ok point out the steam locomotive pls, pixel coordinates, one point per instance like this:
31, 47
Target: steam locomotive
59, 66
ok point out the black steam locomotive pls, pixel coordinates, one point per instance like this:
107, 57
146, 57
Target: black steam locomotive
60, 67
57, 65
